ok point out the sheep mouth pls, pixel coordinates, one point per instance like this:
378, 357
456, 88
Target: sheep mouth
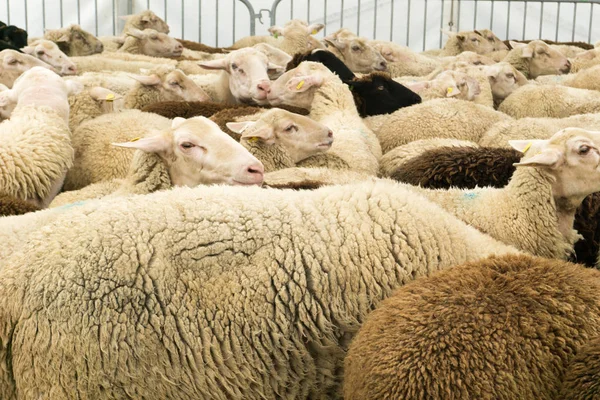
240, 183
177, 53
326, 144
381, 68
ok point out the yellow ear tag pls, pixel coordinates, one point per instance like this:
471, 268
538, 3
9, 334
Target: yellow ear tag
299, 85
449, 90
252, 139
135, 139
314, 32
110, 97
527, 148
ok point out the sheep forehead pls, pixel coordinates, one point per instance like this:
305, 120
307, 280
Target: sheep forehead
247, 55
205, 131
564, 136
277, 117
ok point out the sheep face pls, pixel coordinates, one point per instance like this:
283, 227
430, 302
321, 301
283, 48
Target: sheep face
543, 59
197, 152
571, 156
381, 95
156, 44
472, 58
299, 135
14, 36
459, 85
493, 39
297, 86
15, 63
74, 41
248, 71
473, 41
173, 85
504, 79
275, 56
146, 20
49, 53
359, 56
392, 52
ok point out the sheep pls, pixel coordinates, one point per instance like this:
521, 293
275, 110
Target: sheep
438, 118
550, 101
119, 82
375, 93
163, 84
10, 205
268, 251
498, 45
49, 53
585, 60
95, 159
536, 128
188, 109
144, 20
295, 37
357, 54
402, 61
109, 65
312, 85
91, 103
396, 158
465, 41
535, 211
581, 377
190, 152
313, 178
13, 36
584, 79
469, 167
74, 41
537, 58
13, 64
36, 141
582, 45
499, 328
151, 43
242, 79
453, 84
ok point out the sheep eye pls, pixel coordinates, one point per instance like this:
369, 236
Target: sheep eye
477, 63
380, 87
13, 62
187, 145
234, 66
174, 83
40, 53
584, 149
241, 71
355, 48
510, 76
290, 128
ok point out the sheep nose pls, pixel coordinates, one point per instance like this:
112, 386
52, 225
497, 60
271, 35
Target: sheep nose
264, 86
72, 69
256, 173
100, 47
330, 134
383, 65
179, 47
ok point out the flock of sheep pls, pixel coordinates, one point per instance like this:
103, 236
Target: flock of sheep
297, 218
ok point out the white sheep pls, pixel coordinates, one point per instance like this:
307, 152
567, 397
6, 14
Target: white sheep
465, 41
438, 118
450, 83
49, 53
227, 291
537, 58
358, 55
402, 61
190, 152
13, 64
36, 141
313, 86
151, 43
74, 41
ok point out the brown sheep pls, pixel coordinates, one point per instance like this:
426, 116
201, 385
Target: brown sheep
189, 109
467, 167
10, 205
499, 328
582, 377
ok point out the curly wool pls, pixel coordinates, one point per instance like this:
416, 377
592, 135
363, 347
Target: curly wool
582, 376
96, 160
84, 107
198, 269
438, 118
550, 101
10, 205
498, 328
514, 58
35, 153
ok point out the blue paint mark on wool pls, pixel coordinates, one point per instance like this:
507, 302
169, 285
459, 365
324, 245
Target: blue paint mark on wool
470, 195
71, 205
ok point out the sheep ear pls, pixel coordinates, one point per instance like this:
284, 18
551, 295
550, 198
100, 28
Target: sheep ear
74, 87
8, 97
63, 38
147, 80
303, 83
313, 29
136, 33
239, 127
586, 55
461, 37
220, 63
28, 49
338, 44
418, 86
177, 121
550, 158
274, 68
154, 144
99, 93
265, 134
448, 33
516, 45
276, 31
452, 91
524, 145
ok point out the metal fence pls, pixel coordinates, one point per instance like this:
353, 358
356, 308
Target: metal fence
415, 23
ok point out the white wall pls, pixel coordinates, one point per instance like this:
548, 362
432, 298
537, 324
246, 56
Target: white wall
222, 28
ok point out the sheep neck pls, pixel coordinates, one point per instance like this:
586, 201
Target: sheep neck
131, 46
148, 173
274, 157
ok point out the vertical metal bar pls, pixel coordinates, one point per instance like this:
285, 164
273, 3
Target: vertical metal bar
392, 21
557, 21
492, 17
217, 24
375, 21
234, 2
408, 24
590, 25
200, 21
78, 12
308, 12
524, 21
8, 11
183, 18
425, 25
541, 19
61, 14
508, 20
26, 19
325, 16
458, 18
147, 5
114, 18
292, 10
44, 15
574, 20
475, 16
441, 23
342, 13
357, 19
96, 15
165, 10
